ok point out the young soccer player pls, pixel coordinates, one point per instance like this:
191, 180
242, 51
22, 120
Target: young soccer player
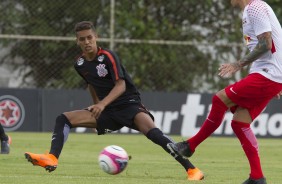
249, 96
116, 102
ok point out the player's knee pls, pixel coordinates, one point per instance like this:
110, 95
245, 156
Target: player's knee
233, 125
62, 119
154, 133
216, 99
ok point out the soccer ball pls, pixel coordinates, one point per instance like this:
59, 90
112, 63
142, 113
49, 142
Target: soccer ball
113, 159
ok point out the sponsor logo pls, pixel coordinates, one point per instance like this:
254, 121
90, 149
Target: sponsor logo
101, 58
42, 158
231, 89
80, 61
121, 162
247, 39
107, 131
53, 137
12, 112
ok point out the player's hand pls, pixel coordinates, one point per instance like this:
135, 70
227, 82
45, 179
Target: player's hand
278, 95
96, 109
226, 70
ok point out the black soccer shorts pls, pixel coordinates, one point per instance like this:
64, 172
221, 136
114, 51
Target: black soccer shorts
115, 118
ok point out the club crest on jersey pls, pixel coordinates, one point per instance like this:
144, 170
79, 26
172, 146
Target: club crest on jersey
80, 61
101, 70
247, 39
101, 58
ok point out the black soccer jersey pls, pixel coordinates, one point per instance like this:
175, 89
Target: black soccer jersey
102, 72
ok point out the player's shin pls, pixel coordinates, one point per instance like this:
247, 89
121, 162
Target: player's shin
60, 135
250, 146
157, 136
213, 121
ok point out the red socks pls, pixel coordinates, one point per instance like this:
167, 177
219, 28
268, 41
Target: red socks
250, 147
242, 131
211, 124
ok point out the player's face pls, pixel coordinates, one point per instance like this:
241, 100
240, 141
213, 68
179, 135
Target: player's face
86, 39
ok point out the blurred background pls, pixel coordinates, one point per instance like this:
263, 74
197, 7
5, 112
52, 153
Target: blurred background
169, 46
172, 50
165, 45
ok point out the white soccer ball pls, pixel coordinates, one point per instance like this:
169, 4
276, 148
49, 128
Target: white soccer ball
113, 159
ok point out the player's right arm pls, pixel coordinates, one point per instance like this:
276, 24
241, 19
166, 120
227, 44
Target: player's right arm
96, 108
93, 94
117, 90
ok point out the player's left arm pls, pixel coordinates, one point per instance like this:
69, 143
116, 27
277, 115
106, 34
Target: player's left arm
263, 46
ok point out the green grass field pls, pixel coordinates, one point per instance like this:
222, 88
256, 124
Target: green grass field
221, 159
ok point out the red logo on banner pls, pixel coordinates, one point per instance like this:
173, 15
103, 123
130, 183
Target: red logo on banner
11, 112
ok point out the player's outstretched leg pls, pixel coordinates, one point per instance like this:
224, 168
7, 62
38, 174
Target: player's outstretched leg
187, 148
157, 136
181, 148
47, 161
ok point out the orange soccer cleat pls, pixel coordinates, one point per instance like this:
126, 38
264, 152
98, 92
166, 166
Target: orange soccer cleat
48, 161
195, 174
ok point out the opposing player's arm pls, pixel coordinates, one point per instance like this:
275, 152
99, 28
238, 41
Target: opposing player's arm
93, 94
263, 46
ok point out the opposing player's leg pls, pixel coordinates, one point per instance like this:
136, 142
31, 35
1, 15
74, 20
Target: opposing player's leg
146, 125
64, 122
242, 129
250, 147
5, 141
254, 102
220, 104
